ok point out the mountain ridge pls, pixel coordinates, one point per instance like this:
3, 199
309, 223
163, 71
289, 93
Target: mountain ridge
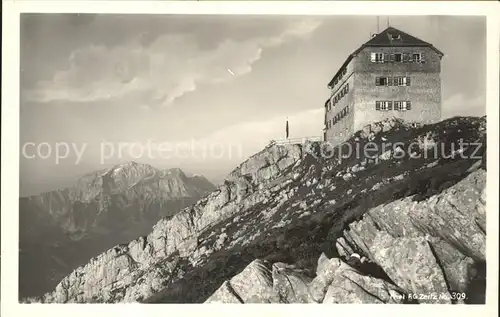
288, 204
113, 205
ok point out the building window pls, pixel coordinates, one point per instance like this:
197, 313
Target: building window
383, 105
398, 57
402, 81
395, 36
416, 57
402, 105
377, 57
381, 81
397, 105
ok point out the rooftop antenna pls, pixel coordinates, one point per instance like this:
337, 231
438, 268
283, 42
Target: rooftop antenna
388, 22
378, 24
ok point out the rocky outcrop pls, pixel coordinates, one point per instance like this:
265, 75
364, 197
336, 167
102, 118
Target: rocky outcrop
257, 237
335, 282
427, 247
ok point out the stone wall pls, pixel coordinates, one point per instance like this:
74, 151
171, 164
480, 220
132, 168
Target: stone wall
424, 91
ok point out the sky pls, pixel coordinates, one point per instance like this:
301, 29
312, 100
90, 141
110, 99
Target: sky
200, 92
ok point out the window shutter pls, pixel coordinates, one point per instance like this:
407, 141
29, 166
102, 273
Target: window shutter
405, 58
407, 81
389, 105
408, 105
392, 57
377, 105
422, 60
389, 81
385, 57
377, 81
373, 57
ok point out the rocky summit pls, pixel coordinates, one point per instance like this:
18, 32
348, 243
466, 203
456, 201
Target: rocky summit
309, 223
63, 229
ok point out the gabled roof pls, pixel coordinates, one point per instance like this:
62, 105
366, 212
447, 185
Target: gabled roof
394, 37
388, 38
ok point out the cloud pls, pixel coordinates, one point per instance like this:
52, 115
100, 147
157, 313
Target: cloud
230, 145
170, 67
240, 141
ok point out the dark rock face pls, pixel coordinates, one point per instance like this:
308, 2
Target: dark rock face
63, 229
285, 224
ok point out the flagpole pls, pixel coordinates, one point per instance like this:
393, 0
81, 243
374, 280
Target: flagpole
287, 128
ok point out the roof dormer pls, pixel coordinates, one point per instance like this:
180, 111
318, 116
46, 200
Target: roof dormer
394, 36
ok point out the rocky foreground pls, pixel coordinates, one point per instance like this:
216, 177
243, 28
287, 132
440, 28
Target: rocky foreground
402, 225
